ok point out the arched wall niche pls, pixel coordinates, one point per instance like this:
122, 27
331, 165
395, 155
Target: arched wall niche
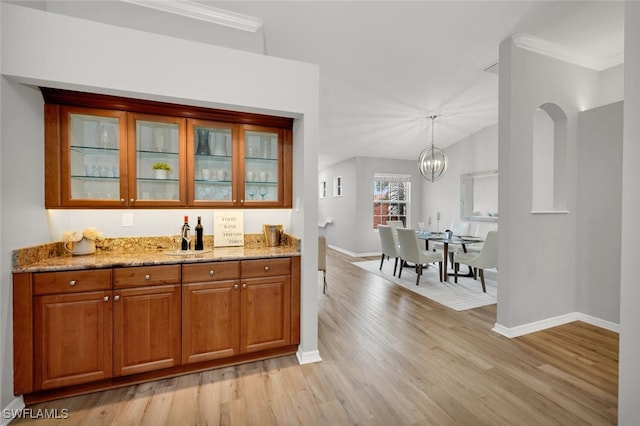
549, 160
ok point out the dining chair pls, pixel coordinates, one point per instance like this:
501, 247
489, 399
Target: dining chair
388, 246
487, 258
322, 260
395, 224
410, 251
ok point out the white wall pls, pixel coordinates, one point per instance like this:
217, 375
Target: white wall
40, 48
599, 207
352, 213
475, 153
629, 373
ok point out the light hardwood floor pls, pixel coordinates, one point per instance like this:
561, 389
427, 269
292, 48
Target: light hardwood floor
390, 357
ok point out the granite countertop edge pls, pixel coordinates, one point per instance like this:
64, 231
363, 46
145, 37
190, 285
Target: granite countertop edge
119, 253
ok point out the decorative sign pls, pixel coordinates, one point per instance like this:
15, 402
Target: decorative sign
228, 228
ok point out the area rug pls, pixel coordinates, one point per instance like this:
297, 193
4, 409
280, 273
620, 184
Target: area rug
466, 294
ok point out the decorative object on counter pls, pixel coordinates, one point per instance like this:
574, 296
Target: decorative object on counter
161, 170
432, 162
81, 243
185, 233
272, 234
228, 228
199, 232
203, 142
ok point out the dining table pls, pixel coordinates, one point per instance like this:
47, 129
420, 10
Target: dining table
446, 239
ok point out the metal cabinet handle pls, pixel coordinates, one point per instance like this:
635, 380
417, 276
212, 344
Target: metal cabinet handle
234, 201
212, 272
72, 283
106, 298
235, 286
241, 201
244, 285
146, 277
116, 298
131, 200
122, 200
266, 269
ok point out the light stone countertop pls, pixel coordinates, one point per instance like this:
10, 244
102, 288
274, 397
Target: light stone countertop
140, 252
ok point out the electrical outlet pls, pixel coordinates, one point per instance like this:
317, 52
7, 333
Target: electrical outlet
127, 219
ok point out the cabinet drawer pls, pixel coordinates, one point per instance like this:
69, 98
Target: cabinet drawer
146, 275
212, 271
265, 267
71, 281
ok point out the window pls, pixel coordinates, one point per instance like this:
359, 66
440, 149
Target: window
323, 189
390, 198
337, 187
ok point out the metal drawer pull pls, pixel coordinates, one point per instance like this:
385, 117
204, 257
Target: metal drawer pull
266, 269
244, 285
212, 272
116, 298
146, 277
235, 286
106, 298
72, 283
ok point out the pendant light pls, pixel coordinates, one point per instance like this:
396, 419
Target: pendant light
432, 162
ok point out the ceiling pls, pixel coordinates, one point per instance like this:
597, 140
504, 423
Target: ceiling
385, 66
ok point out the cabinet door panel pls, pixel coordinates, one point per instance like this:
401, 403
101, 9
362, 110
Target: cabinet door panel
265, 313
146, 329
73, 338
261, 183
92, 142
210, 321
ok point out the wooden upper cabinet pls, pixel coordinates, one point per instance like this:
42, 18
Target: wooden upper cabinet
156, 161
100, 152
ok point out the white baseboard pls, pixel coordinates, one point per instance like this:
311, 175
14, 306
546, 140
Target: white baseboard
308, 357
532, 327
352, 254
8, 412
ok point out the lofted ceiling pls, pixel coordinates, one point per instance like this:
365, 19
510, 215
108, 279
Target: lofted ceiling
385, 66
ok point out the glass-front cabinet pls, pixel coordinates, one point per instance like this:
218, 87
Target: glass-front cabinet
92, 142
156, 160
262, 165
114, 152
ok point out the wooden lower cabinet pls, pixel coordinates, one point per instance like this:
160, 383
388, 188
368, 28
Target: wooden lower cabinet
84, 330
146, 330
210, 321
265, 313
72, 339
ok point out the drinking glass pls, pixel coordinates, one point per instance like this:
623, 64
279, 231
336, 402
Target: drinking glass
263, 191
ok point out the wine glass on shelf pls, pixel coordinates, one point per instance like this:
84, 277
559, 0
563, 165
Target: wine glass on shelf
263, 191
252, 192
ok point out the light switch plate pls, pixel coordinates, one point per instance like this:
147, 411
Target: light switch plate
127, 219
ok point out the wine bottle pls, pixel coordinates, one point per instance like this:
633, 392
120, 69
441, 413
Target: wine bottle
199, 230
186, 234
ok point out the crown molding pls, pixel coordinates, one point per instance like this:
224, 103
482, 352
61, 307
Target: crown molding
203, 12
566, 53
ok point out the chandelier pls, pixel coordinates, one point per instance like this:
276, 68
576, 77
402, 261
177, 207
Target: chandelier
432, 162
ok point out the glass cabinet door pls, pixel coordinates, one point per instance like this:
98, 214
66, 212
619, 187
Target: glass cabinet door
158, 174
262, 165
210, 145
91, 160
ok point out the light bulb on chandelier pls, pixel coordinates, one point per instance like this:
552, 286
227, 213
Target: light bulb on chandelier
432, 162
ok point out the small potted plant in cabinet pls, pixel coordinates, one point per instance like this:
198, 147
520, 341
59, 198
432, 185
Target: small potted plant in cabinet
161, 170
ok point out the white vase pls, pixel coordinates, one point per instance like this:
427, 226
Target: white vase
162, 174
78, 248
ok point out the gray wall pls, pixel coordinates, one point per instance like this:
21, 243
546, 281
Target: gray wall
629, 373
599, 209
538, 253
352, 229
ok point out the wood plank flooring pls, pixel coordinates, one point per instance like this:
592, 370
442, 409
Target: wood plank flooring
390, 357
